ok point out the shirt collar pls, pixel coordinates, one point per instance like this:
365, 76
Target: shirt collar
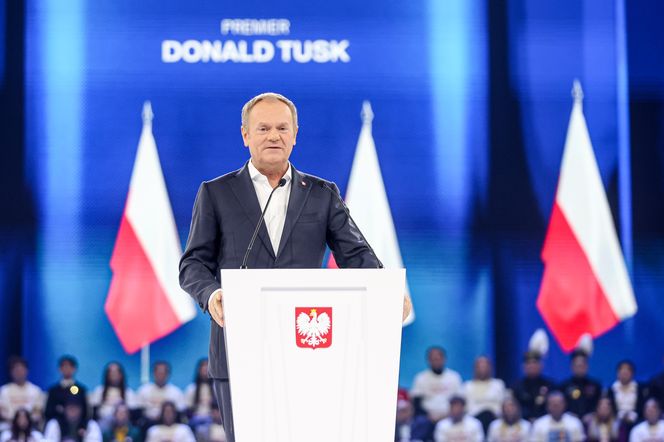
256, 175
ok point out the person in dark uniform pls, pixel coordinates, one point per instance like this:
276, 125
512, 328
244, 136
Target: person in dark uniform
65, 390
531, 390
581, 392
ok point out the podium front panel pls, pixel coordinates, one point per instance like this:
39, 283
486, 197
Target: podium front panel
332, 378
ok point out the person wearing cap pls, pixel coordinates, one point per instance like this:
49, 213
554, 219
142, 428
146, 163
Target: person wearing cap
652, 428
532, 389
510, 427
65, 388
557, 425
458, 426
581, 391
433, 388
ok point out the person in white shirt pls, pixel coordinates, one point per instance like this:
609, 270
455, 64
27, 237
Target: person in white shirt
511, 427
433, 388
627, 396
557, 425
199, 397
22, 429
73, 426
169, 429
153, 395
652, 428
21, 393
114, 391
484, 394
458, 426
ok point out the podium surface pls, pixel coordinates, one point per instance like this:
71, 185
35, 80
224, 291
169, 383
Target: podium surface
313, 354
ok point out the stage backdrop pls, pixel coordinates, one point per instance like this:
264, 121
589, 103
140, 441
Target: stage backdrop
469, 131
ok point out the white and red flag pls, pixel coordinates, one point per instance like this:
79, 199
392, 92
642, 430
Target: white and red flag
585, 287
145, 301
367, 201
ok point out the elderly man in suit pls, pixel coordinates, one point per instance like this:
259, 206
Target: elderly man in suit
304, 214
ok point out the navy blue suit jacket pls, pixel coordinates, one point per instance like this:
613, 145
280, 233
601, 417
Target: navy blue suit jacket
224, 217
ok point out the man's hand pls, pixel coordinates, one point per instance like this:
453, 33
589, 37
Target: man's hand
215, 307
407, 307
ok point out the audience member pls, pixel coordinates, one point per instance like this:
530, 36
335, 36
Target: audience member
72, 426
557, 425
532, 389
169, 428
602, 425
114, 390
581, 392
652, 428
409, 427
199, 397
22, 429
67, 388
627, 397
484, 394
433, 388
656, 387
214, 431
511, 427
120, 428
153, 395
20, 393
458, 426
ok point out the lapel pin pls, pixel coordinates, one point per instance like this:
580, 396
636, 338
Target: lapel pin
303, 183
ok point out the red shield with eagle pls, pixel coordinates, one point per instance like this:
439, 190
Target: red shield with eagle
313, 327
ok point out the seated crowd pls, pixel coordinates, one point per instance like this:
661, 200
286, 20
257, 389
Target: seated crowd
441, 408
158, 412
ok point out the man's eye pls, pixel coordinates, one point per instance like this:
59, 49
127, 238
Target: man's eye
262, 129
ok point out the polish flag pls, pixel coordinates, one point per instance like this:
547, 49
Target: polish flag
585, 287
145, 301
367, 201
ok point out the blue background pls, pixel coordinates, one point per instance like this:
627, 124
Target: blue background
471, 101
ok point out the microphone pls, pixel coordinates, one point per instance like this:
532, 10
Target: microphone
282, 183
324, 185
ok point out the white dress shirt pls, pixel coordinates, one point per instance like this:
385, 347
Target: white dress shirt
275, 216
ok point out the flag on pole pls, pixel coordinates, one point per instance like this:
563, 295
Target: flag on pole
367, 201
145, 301
585, 287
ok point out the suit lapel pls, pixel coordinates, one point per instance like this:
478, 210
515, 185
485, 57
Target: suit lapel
245, 193
300, 188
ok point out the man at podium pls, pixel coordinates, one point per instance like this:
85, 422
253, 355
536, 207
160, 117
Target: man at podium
267, 214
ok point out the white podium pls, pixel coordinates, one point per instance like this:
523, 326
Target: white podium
329, 376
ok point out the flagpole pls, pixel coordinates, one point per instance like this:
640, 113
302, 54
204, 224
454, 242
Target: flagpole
145, 364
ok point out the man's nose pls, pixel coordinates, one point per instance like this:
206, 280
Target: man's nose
273, 134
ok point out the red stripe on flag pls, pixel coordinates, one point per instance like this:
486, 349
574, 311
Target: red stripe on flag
570, 300
137, 305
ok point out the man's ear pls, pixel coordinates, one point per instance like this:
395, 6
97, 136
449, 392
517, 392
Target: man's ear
295, 135
245, 135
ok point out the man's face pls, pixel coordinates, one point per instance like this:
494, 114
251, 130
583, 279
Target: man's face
482, 368
555, 405
510, 411
19, 373
580, 366
436, 360
532, 368
269, 135
457, 410
625, 374
160, 374
67, 370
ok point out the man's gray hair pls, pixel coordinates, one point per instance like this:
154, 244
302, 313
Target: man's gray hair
249, 105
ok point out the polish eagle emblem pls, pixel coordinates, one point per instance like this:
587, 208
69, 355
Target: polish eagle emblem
313, 327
